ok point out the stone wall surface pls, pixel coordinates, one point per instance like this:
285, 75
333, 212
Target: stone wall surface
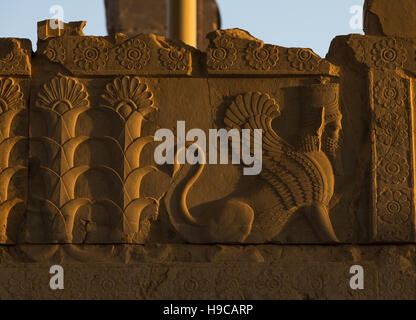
212, 272
80, 185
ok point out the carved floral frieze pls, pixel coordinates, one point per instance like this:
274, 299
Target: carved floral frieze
383, 53
15, 57
392, 149
133, 54
91, 54
237, 52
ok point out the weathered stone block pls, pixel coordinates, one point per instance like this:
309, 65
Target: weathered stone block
208, 272
390, 18
15, 68
79, 177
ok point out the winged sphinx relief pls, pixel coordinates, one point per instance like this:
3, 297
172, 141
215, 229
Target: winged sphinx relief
300, 175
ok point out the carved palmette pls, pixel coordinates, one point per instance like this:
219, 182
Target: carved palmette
13, 153
132, 100
89, 158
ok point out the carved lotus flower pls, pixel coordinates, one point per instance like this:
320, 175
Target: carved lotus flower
55, 51
270, 280
395, 284
390, 120
11, 97
192, 281
127, 95
223, 55
261, 57
174, 59
389, 53
229, 281
91, 54
303, 59
390, 92
358, 47
393, 207
394, 169
107, 284
389, 129
133, 54
62, 94
10, 56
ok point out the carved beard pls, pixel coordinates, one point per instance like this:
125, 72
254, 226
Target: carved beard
330, 147
309, 143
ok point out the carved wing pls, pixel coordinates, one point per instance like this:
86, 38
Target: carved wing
287, 171
255, 110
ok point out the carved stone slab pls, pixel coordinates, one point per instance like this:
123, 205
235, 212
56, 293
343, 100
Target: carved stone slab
96, 103
14, 96
237, 52
209, 272
15, 55
140, 55
80, 185
15, 68
389, 65
99, 101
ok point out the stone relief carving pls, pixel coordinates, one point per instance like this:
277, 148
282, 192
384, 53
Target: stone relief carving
301, 177
12, 106
79, 152
133, 54
113, 55
91, 54
15, 57
59, 104
12, 59
55, 51
222, 221
236, 51
78, 177
303, 59
132, 100
236, 277
388, 63
394, 207
76, 157
92, 178
389, 53
174, 59
261, 57
223, 55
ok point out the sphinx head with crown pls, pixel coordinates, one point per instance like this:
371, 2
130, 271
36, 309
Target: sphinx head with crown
321, 121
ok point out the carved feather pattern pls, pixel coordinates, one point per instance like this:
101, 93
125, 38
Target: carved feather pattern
296, 179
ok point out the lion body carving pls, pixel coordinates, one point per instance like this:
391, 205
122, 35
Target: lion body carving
300, 176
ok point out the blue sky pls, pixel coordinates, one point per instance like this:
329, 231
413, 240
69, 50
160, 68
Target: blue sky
292, 23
